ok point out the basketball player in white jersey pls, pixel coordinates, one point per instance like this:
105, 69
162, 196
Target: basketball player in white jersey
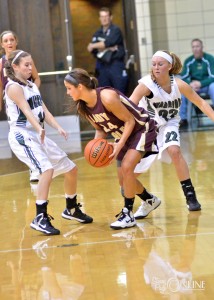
27, 113
160, 93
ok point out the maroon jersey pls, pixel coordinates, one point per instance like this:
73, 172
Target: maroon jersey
143, 136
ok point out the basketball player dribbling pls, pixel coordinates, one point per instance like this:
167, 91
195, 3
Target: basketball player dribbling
26, 116
109, 111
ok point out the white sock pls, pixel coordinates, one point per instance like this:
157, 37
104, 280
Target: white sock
40, 202
70, 196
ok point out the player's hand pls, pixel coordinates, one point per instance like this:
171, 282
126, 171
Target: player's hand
63, 132
116, 149
42, 135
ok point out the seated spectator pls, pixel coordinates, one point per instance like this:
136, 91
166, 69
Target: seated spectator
198, 72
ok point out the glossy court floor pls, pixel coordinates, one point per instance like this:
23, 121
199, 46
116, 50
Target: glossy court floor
168, 255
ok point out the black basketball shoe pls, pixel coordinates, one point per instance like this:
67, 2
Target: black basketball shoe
76, 214
192, 202
42, 222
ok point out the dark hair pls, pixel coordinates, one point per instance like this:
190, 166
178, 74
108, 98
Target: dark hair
14, 58
79, 76
176, 64
105, 9
2, 51
197, 40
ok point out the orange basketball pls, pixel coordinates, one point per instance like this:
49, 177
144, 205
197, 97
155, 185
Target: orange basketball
97, 153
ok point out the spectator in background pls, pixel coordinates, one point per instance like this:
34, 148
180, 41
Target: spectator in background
9, 43
107, 46
198, 72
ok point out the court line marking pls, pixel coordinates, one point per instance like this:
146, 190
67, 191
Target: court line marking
105, 242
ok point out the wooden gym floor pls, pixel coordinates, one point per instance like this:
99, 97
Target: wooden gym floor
168, 255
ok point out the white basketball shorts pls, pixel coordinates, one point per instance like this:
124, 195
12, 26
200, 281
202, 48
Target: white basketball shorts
26, 145
168, 135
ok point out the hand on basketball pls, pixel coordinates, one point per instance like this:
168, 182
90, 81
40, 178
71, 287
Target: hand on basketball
116, 149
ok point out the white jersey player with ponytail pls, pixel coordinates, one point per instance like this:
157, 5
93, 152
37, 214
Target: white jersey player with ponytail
160, 93
26, 116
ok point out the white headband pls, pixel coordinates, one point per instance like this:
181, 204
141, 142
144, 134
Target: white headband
17, 55
163, 55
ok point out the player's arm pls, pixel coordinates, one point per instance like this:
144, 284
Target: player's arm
35, 75
192, 96
16, 94
50, 120
139, 92
111, 101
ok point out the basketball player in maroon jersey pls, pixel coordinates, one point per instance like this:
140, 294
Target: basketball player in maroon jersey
110, 112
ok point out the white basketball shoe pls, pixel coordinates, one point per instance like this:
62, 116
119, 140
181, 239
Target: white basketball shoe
146, 207
125, 220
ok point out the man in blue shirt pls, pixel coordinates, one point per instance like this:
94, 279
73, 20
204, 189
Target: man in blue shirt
107, 46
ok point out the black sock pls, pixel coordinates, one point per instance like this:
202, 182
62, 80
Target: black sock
144, 195
129, 202
41, 208
71, 202
187, 187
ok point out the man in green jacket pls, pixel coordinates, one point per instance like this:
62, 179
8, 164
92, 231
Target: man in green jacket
198, 72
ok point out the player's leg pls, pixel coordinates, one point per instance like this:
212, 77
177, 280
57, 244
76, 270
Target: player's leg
27, 147
126, 218
149, 202
42, 221
72, 210
182, 171
63, 165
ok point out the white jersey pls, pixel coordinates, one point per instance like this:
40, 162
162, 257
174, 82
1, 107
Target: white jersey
16, 118
161, 105
164, 108
25, 141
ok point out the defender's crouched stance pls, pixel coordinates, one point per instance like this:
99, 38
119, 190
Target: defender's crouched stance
26, 116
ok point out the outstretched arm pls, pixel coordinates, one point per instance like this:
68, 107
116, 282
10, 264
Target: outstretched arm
50, 120
192, 96
139, 92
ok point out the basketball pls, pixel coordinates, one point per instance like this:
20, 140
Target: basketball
97, 153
